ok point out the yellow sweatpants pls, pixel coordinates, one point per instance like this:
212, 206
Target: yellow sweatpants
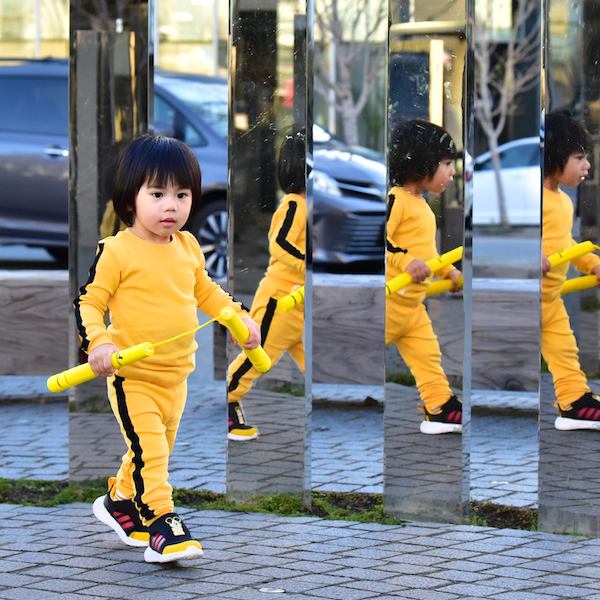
560, 352
410, 329
149, 416
279, 333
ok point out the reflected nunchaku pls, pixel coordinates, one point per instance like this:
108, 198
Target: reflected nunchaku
572, 252
228, 317
435, 264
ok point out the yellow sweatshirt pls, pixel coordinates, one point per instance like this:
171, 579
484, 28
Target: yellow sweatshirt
411, 232
557, 226
152, 292
287, 240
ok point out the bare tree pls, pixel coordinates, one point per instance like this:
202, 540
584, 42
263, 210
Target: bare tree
352, 28
503, 71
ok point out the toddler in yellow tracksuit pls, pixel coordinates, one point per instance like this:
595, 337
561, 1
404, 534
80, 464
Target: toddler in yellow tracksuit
151, 278
421, 158
565, 162
285, 273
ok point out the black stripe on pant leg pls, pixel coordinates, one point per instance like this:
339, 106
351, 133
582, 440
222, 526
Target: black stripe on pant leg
264, 331
136, 448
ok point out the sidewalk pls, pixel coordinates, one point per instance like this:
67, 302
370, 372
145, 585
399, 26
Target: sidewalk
63, 553
347, 442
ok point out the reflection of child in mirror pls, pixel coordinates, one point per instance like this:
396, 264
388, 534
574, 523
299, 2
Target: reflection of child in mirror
280, 332
151, 278
421, 159
566, 163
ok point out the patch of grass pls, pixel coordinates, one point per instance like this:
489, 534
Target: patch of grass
590, 304
49, 493
365, 508
289, 389
402, 378
488, 514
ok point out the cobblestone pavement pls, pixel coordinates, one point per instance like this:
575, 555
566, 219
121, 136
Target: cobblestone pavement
347, 444
62, 552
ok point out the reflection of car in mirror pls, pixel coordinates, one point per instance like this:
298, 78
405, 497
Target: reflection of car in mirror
520, 172
349, 186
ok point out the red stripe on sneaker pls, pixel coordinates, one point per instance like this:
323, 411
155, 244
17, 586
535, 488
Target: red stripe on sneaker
127, 524
158, 541
122, 518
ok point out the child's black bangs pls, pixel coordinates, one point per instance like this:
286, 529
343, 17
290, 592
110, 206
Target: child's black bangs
168, 165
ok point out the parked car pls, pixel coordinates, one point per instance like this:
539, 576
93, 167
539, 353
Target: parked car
349, 186
521, 178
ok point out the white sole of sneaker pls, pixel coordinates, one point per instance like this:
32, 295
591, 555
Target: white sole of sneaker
565, 424
103, 515
434, 428
152, 556
241, 438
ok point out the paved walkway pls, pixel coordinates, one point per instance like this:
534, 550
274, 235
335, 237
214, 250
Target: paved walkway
64, 553
347, 444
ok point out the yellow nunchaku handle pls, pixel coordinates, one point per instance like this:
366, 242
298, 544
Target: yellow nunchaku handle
578, 283
257, 356
435, 264
82, 373
286, 303
558, 258
441, 286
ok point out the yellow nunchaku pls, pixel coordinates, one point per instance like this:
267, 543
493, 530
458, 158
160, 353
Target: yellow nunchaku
572, 252
286, 303
442, 285
435, 264
228, 317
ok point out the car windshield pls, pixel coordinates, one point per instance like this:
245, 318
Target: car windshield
207, 100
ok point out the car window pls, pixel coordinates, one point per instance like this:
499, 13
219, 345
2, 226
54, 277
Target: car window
34, 105
169, 121
526, 155
207, 100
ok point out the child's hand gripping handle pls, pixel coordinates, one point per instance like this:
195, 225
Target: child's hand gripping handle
296, 298
257, 356
435, 264
83, 373
572, 252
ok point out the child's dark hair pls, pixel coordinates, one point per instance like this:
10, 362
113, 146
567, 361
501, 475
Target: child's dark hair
156, 160
416, 149
291, 168
563, 137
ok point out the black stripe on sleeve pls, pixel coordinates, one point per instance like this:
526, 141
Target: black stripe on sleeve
85, 342
136, 448
264, 332
285, 229
390, 247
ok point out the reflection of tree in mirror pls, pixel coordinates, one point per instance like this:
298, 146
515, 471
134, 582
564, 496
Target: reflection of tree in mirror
354, 35
506, 66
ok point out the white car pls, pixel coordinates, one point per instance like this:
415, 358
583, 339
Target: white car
521, 175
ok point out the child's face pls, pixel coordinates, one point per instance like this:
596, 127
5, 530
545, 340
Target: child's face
160, 211
442, 177
576, 169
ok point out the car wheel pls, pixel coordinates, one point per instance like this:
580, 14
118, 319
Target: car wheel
209, 226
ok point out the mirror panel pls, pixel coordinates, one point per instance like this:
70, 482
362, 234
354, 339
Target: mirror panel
423, 473
268, 207
570, 321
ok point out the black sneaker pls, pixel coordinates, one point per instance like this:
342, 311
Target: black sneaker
449, 420
122, 516
238, 429
583, 414
171, 540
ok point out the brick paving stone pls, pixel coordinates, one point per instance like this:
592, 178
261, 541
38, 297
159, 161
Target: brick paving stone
429, 595
474, 589
343, 593
59, 585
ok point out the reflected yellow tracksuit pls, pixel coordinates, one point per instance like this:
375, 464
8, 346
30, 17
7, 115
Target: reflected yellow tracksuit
559, 347
411, 232
152, 292
279, 332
